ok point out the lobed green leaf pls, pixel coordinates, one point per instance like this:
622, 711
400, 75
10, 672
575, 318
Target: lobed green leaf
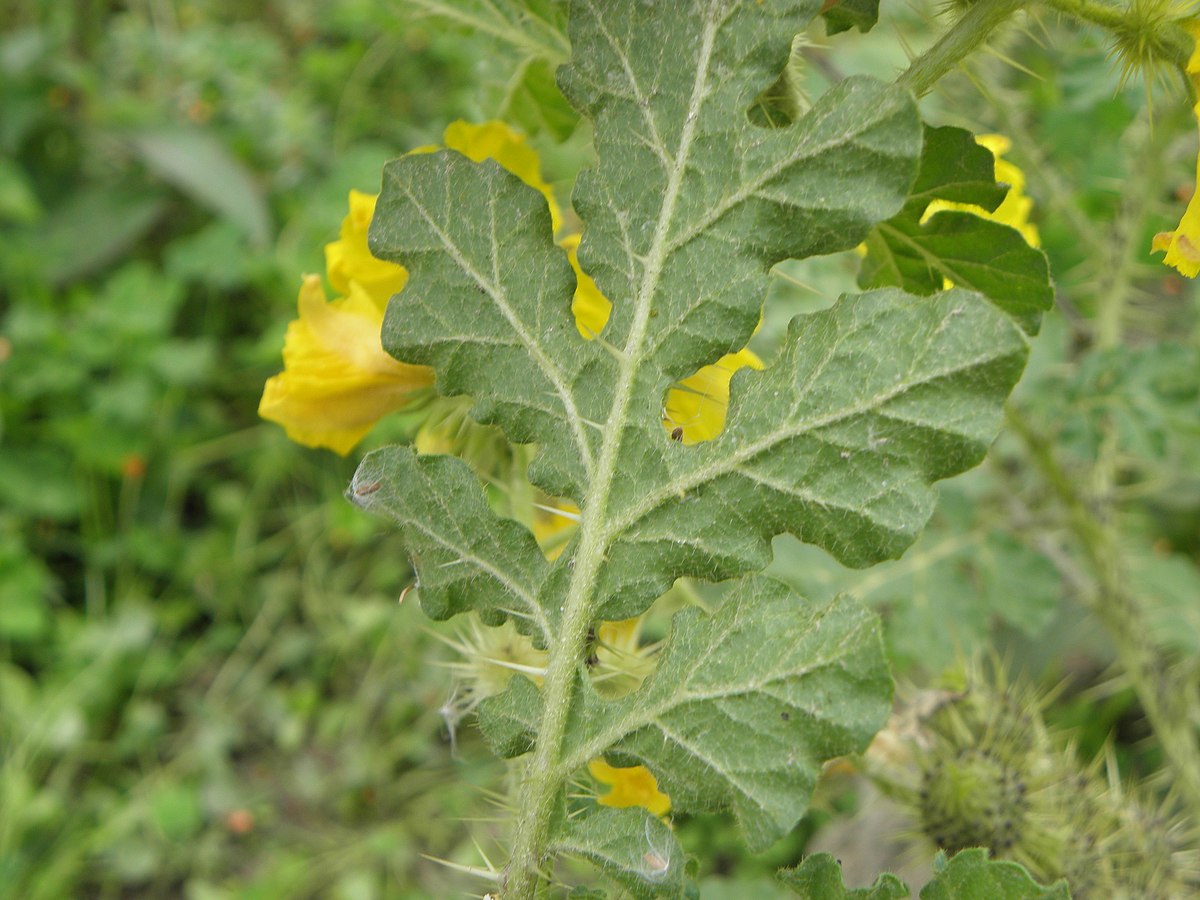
837, 443
847, 14
960, 247
744, 707
819, 877
465, 556
968, 875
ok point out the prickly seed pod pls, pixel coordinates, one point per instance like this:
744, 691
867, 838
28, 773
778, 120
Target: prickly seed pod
1128, 840
989, 773
973, 799
986, 770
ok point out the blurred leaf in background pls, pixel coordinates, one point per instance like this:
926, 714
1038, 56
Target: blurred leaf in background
206, 687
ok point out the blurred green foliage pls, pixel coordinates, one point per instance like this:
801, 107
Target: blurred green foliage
206, 687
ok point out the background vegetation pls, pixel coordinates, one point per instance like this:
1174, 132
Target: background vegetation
206, 686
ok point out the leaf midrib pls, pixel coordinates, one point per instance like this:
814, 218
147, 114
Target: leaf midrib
633, 355
497, 295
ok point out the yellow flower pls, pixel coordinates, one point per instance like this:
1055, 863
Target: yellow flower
1182, 245
697, 406
620, 661
337, 380
495, 140
590, 307
1014, 210
632, 786
347, 260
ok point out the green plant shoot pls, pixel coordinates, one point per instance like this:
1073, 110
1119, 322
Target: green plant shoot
837, 441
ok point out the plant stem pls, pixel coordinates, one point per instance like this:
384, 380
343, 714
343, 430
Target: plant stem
983, 17
542, 778
1167, 703
1166, 41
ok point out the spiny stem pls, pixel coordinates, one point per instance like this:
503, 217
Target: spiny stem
959, 40
1167, 703
544, 777
1164, 40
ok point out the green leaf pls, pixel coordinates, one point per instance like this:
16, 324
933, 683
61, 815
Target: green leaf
465, 556
487, 305
538, 106
970, 875
847, 14
509, 721
836, 443
631, 846
18, 202
963, 248
745, 706
532, 27
96, 227
688, 208
1167, 587
24, 592
819, 877
939, 600
204, 169
677, 237
176, 809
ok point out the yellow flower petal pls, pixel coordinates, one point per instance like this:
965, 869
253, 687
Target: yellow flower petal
349, 260
698, 404
590, 307
337, 380
495, 140
1182, 245
632, 786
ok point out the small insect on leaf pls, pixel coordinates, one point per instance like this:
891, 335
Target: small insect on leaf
677, 433
658, 862
365, 490
656, 866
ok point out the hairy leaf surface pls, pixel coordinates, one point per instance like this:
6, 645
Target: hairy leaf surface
634, 848
465, 556
837, 443
745, 706
686, 212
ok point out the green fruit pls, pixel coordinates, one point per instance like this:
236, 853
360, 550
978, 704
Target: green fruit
972, 799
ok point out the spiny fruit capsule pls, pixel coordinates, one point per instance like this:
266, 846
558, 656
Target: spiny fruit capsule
972, 799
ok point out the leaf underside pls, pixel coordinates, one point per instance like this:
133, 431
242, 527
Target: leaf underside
968, 875
638, 851
837, 442
744, 706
